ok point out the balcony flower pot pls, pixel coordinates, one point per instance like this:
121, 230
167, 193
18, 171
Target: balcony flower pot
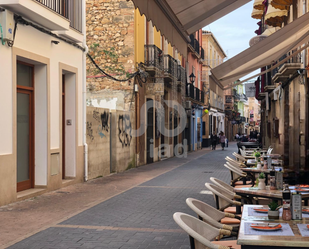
273, 214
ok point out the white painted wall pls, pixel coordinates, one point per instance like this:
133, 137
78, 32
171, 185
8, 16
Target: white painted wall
27, 38
6, 99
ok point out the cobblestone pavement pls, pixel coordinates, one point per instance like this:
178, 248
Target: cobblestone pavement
140, 217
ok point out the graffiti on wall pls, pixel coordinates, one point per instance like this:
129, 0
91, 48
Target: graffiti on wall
125, 129
102, 119
89, 130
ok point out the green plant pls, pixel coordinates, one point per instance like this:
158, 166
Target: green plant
262, 175
257, 154
273, 205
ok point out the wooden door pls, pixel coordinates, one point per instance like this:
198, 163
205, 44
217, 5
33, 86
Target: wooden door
25, 126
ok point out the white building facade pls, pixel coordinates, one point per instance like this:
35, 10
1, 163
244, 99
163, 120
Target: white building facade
41, 99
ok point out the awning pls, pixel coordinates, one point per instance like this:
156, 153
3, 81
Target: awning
264, 52
281, 4
257, 14
258, 4
176, 19
275, 17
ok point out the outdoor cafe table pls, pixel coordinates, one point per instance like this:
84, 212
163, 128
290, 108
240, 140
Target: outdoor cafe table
251, 162
249, 241
252, 171
271, 194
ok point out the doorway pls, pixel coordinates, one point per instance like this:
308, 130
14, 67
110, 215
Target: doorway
150, 139
63, 126
25, 126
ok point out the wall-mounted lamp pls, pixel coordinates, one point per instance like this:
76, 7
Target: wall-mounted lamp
55, 42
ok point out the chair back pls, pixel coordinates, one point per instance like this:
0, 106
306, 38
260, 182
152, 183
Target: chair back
222, 184
223, 198
239, 158
234, 162
200, 233
270, 149
242, 152
206, 212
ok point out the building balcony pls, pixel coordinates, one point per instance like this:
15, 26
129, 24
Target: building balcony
202, 97
197, 94
170, 67
54, 15
181, 74
153, 59
194, 46
190, 90
202, 54
282, 72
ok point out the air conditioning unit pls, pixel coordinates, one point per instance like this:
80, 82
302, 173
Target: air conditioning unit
188, 105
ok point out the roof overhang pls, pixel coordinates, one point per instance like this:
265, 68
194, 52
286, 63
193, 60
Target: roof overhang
265, 52
177, 19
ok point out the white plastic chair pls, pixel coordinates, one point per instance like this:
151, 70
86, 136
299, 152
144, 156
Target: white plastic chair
234, 162
213, 216
239, 158
201, 233
237, 174
223, 198
222, 184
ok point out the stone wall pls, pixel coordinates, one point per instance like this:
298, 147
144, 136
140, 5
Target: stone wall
110, 38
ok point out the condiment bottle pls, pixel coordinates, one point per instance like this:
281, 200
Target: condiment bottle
272, 179
286, 201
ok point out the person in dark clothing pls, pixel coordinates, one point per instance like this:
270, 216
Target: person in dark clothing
213, 139
244, 138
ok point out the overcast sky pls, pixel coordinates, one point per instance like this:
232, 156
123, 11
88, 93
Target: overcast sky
234, 30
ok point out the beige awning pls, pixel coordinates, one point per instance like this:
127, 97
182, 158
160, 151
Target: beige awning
281, 4
275, 17
257, 14
264, 52
176, 19
258, 4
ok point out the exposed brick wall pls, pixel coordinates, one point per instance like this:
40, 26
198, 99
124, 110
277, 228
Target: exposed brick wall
110, 38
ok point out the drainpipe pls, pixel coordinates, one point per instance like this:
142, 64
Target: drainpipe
84, 89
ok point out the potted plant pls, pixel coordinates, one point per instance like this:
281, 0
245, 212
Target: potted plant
257, 155
273, 212
262, 184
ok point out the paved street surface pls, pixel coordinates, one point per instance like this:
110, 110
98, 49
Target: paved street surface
135, 213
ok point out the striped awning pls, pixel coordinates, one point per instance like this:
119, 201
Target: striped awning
275, 17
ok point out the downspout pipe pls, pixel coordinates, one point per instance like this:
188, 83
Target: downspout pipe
84, 80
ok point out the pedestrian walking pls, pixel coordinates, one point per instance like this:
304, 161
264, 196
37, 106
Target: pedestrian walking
213, 140
222, 140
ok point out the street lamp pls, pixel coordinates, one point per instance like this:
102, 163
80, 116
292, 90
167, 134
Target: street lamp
192, 77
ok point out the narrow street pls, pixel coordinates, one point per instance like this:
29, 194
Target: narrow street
129, 210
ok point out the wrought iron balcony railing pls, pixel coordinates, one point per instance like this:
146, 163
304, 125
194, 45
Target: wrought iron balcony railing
170, 65
197, 94
195, 44
181, 74
70, 9
190, 90
202, 97
295, 59
153, 57
202, 53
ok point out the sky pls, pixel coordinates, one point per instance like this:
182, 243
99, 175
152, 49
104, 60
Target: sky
234, 31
